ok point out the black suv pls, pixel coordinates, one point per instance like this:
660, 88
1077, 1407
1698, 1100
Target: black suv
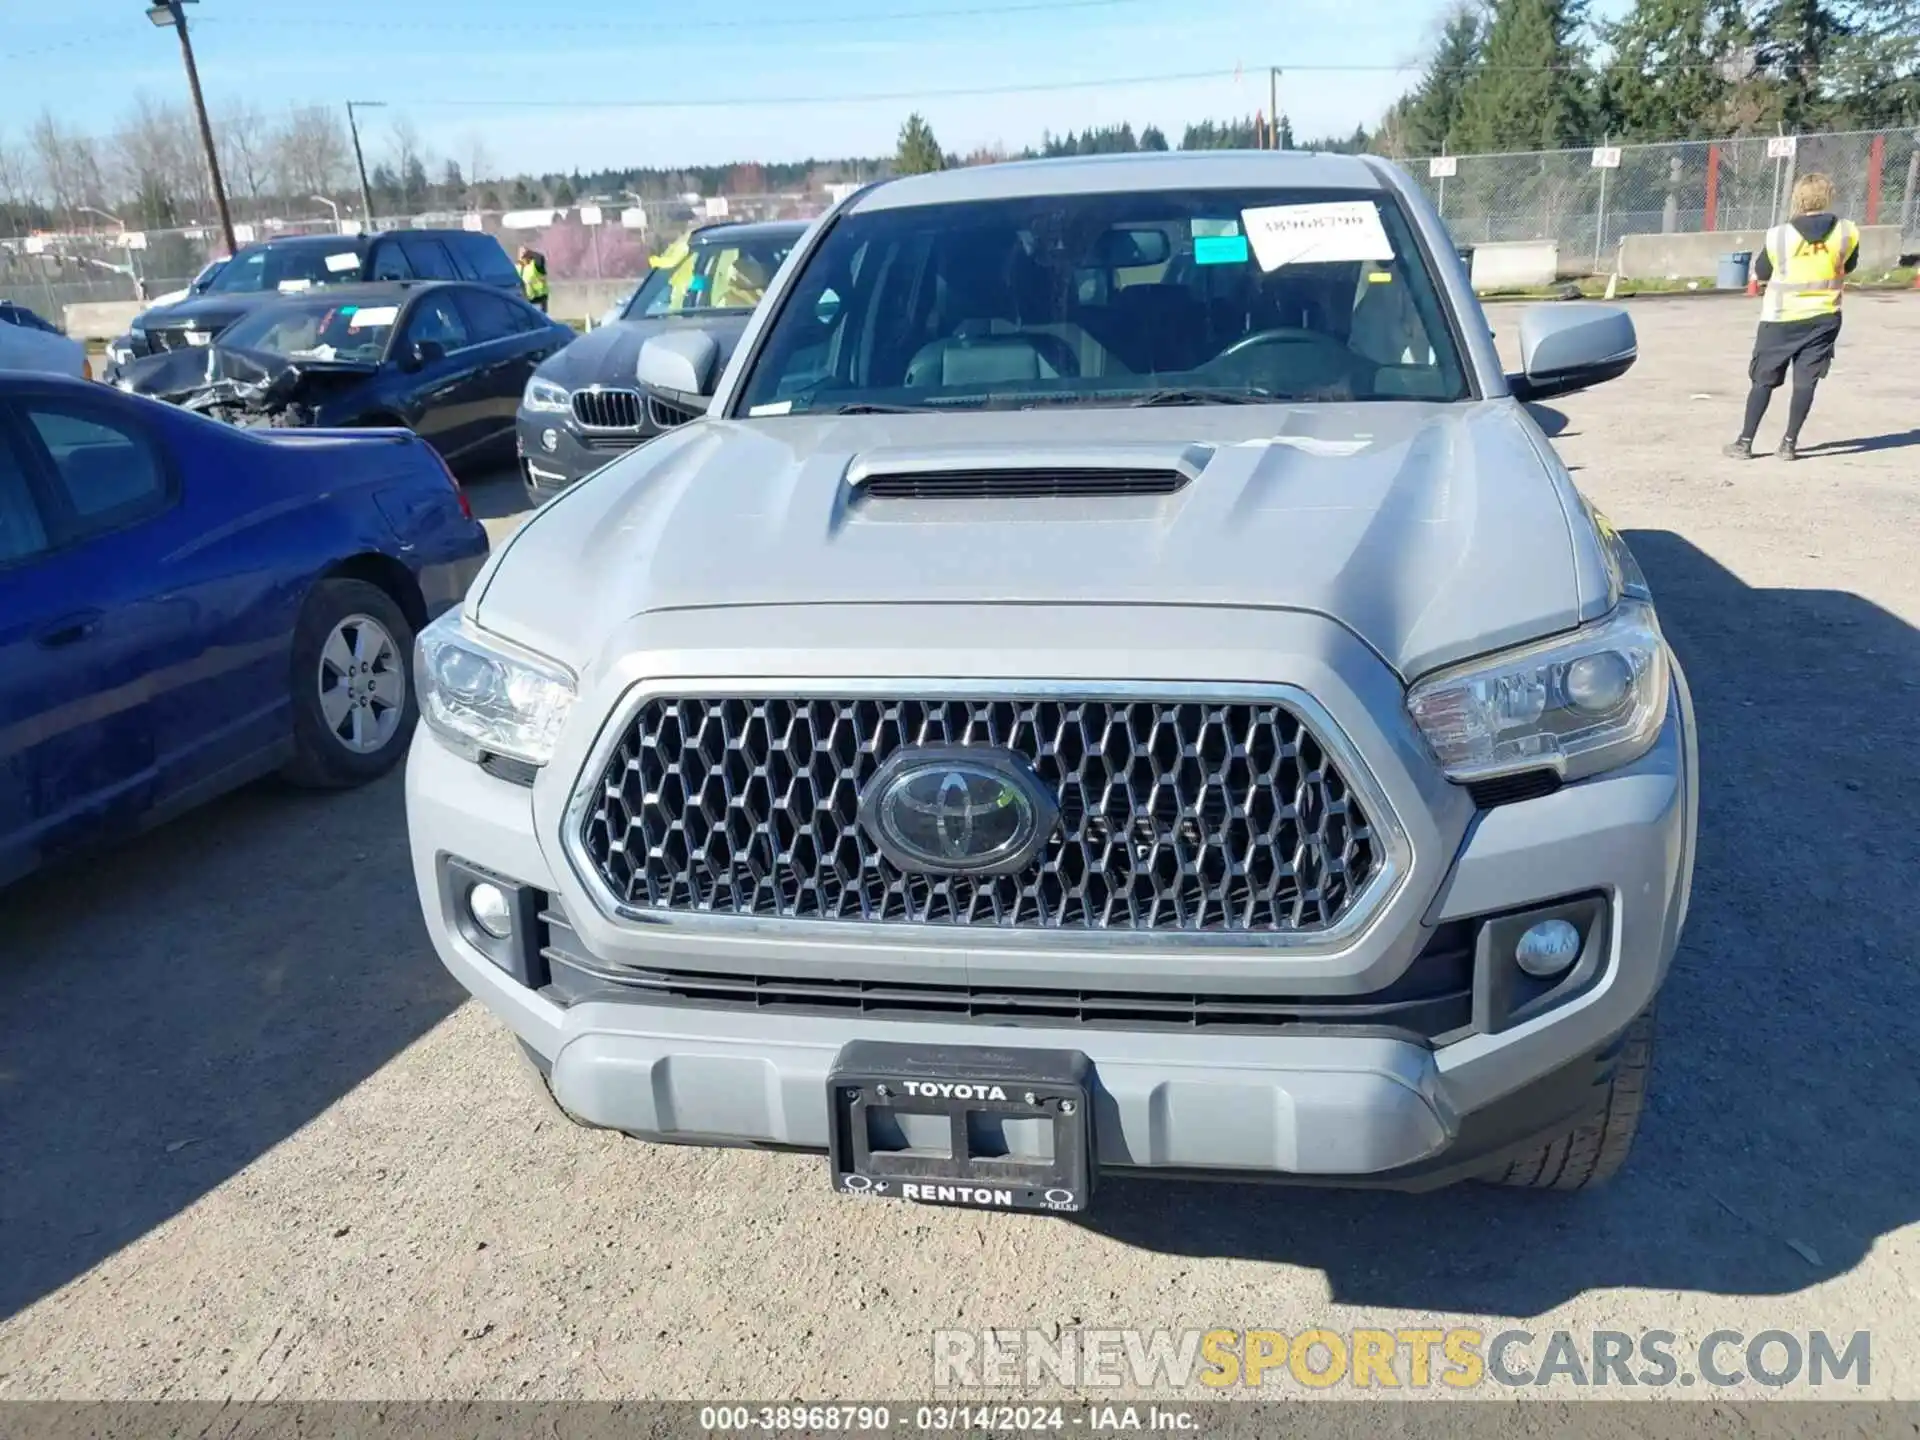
293, 263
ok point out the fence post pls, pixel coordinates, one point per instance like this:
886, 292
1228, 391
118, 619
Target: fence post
1876, 162
1600, 220
1713, 187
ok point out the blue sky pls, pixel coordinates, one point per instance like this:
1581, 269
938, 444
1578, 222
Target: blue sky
85, 58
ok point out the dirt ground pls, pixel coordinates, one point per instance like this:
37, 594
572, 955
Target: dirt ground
256, 1146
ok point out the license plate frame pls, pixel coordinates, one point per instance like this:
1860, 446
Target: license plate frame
1047, 1092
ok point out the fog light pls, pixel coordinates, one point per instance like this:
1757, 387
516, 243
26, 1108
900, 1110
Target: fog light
1547, 948
491, 912
550, 440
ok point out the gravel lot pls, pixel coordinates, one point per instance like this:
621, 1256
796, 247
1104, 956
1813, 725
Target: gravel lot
255, 1145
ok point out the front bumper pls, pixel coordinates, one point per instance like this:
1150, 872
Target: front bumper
1341, 1105
549, 468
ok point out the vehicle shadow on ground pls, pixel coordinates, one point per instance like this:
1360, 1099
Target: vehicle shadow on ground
494, 492
151, 1048
1780, 1139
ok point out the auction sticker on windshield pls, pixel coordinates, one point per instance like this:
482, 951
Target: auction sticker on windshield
372, 316
1329, 231
344, 261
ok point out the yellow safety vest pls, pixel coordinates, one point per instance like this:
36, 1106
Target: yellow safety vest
1809, 276
532, 281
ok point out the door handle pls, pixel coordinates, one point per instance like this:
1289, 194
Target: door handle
70, 628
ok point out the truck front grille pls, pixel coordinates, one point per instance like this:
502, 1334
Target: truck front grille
1175, 815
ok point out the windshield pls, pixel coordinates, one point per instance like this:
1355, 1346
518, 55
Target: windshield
315, 330
286, 268
1146, 297
717, 275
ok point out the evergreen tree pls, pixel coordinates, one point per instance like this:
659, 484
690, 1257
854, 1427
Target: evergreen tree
563, 192
919, 152
1876, 65
1674, 67
1430, 114
1154, 138
1799, 38
1286, 132
1530, 91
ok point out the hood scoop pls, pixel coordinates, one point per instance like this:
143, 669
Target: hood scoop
1024, 472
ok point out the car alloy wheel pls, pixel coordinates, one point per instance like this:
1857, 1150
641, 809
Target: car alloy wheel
363, 684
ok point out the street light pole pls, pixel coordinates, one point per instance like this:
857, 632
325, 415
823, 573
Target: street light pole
169, 12
359, 159
331, 206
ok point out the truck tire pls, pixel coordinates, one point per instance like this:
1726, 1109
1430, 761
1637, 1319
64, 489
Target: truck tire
354, 709
1594, 1151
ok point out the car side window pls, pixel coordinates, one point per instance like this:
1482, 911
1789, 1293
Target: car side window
108, 471
428, 257
389, 263
437, 318
23, 533
490, 316
488, 261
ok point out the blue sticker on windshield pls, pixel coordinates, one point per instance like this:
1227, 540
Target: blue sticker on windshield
1219, 249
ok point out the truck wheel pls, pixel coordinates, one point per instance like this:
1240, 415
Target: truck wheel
353, 703
1593, 1152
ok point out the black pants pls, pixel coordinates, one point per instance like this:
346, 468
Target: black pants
1807, 346
539, 302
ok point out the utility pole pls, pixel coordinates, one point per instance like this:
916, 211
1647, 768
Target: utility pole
169, 12
360, 160
1273, 107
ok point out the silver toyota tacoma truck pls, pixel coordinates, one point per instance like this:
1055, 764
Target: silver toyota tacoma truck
1116, 681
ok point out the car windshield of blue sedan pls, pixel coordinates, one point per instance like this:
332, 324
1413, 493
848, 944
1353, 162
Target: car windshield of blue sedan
1148, 297
287, 268
316, 329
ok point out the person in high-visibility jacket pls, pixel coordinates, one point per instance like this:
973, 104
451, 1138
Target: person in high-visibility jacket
1804, 265
533, 276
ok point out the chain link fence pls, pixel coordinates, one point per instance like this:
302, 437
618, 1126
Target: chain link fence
1680, 187
1575, 198
48, 272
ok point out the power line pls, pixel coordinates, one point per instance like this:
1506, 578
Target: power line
415, 102
599, 28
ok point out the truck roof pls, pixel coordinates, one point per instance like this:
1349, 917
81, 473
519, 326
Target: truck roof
1150, 170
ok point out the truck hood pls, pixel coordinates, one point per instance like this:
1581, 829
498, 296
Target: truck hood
1433, 532
213, 312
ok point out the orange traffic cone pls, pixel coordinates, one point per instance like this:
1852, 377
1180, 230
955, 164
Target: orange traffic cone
1753, 285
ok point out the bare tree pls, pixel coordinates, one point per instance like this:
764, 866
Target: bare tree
310, 153
65, 164
149, 175
246, 152
410, 164
479, 158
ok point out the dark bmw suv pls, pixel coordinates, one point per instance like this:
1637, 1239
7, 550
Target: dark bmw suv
292, 264
586, 405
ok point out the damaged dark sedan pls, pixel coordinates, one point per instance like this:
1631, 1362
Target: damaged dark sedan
446, 360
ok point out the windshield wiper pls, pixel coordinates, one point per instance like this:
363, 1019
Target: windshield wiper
1203, 395
873, 407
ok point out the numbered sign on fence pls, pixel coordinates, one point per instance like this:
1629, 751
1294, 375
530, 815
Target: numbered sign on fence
1606, 157
1780, 147
1443, 167
590, 215
243, 234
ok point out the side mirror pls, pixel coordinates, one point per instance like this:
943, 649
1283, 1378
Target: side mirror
422, 353
1570, 347
684, 362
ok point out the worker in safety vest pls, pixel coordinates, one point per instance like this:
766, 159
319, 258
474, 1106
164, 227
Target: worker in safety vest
533, 276
1804, 266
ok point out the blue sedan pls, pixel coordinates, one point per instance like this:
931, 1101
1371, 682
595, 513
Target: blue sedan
186, 606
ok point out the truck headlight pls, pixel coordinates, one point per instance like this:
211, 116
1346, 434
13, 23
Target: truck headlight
1576, 704
546, 395
484, 696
